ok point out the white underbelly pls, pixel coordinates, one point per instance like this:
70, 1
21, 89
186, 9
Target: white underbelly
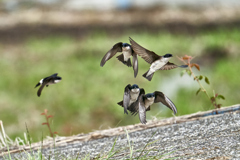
155, 66
133, 98
126, 55
148, 102
55, 81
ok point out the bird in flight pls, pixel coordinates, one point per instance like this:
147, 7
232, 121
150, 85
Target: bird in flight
146, 100
157, 62
125, 57
131, 94
47, 81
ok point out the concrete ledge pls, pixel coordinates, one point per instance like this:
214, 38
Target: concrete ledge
198, 135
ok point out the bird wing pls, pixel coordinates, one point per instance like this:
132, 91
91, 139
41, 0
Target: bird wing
116, 48
160, 97
168, 66
40, 89
142, 110
135, 64
126, 98
54, 75
50, 78
148, 56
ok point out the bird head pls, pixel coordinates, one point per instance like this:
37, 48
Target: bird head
135, 86
168, 55
150, 95
126, 45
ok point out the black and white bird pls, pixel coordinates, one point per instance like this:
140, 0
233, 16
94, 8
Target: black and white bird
157, 62
125, 57
131, 94
47, 81
146, 100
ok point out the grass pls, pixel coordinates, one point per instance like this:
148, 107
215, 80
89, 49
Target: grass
86, 99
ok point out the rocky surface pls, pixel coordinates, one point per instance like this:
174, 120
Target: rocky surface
204, 135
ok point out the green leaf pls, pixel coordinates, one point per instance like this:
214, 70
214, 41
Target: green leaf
198, 91
212, 99
188, 72
200, 77
206, 80
220, 97
182, 73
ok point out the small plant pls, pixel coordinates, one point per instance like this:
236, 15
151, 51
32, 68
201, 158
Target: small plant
187, 60
45, 113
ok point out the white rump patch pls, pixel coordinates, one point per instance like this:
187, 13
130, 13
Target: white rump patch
41, 81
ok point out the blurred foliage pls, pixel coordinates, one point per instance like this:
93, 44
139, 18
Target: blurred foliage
86, 99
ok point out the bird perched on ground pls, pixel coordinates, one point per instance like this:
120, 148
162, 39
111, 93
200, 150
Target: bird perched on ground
127, 52
131, 94
47, 81
146, 100
157, 62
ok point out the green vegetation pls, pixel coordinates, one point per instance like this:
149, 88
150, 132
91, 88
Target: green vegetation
86, 99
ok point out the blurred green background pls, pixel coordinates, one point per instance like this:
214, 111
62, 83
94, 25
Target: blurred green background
86, 99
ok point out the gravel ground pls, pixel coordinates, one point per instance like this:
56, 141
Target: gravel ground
197, 136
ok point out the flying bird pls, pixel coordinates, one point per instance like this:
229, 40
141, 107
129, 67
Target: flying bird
125, 57
131, 94
157, 62
47, 81
146, 100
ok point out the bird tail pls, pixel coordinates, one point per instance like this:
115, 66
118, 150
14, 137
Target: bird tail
121, 58
120, 103
37, 85
148, 77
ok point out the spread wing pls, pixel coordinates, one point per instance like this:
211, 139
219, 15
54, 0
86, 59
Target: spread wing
142, 110
116, 48
135, 64
148, 56
126, 98
168, 66
40, 89
160, 97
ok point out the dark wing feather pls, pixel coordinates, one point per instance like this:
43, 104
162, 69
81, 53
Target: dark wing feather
160, 97
50, 78
116, 48
40, 89
135, 64
126, 98
142, 110
54, 75
148, 56
133, 108
169, 66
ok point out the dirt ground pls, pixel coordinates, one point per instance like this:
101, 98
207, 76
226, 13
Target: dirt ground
17, 26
